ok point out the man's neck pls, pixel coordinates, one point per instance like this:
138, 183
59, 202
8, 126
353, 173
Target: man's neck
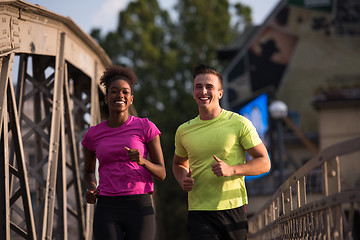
206, 114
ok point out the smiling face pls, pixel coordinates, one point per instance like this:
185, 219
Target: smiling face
207, 91
119, 96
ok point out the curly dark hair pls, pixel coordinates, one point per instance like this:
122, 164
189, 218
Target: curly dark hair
115, 72
202, 69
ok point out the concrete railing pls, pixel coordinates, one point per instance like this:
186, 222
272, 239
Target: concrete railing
328, 208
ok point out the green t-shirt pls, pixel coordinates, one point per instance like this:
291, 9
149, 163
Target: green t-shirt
226, 136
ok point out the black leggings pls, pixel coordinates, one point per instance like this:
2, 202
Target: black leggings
124, 218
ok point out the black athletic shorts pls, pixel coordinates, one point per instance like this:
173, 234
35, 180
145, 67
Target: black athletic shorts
218, 225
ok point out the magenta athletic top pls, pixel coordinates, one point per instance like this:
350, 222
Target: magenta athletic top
118, 175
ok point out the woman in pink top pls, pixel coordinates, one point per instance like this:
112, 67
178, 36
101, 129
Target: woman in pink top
122, 144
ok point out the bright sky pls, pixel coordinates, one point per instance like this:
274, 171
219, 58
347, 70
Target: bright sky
103, 14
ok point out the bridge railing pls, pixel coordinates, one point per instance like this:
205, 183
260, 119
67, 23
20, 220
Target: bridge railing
321, 200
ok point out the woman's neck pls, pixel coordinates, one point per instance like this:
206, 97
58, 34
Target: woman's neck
116, 120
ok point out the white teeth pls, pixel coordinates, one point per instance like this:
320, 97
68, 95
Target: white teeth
119, 102
204, 98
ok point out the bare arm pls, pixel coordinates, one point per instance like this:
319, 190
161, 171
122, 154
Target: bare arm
258, 165
182, 173
89, 176
156, 166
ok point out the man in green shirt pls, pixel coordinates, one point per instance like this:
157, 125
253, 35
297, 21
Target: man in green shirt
210, 164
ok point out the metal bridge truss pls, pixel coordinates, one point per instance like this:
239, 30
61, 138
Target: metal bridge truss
49, 96
305, 208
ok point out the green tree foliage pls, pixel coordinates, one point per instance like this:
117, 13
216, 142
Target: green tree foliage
242, 16
162, 53
204, 26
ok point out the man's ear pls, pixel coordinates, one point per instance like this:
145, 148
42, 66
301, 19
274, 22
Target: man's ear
105, 99
221, 93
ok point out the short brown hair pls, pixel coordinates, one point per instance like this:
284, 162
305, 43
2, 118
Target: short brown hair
202, 69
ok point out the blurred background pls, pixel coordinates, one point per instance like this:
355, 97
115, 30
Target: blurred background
291, 66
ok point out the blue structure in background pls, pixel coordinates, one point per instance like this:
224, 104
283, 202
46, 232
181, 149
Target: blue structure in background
257, 112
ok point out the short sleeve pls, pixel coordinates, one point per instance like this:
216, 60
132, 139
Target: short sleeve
249, 137
179, 148
87, 140
150, 130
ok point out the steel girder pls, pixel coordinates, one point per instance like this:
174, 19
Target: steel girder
49, 96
